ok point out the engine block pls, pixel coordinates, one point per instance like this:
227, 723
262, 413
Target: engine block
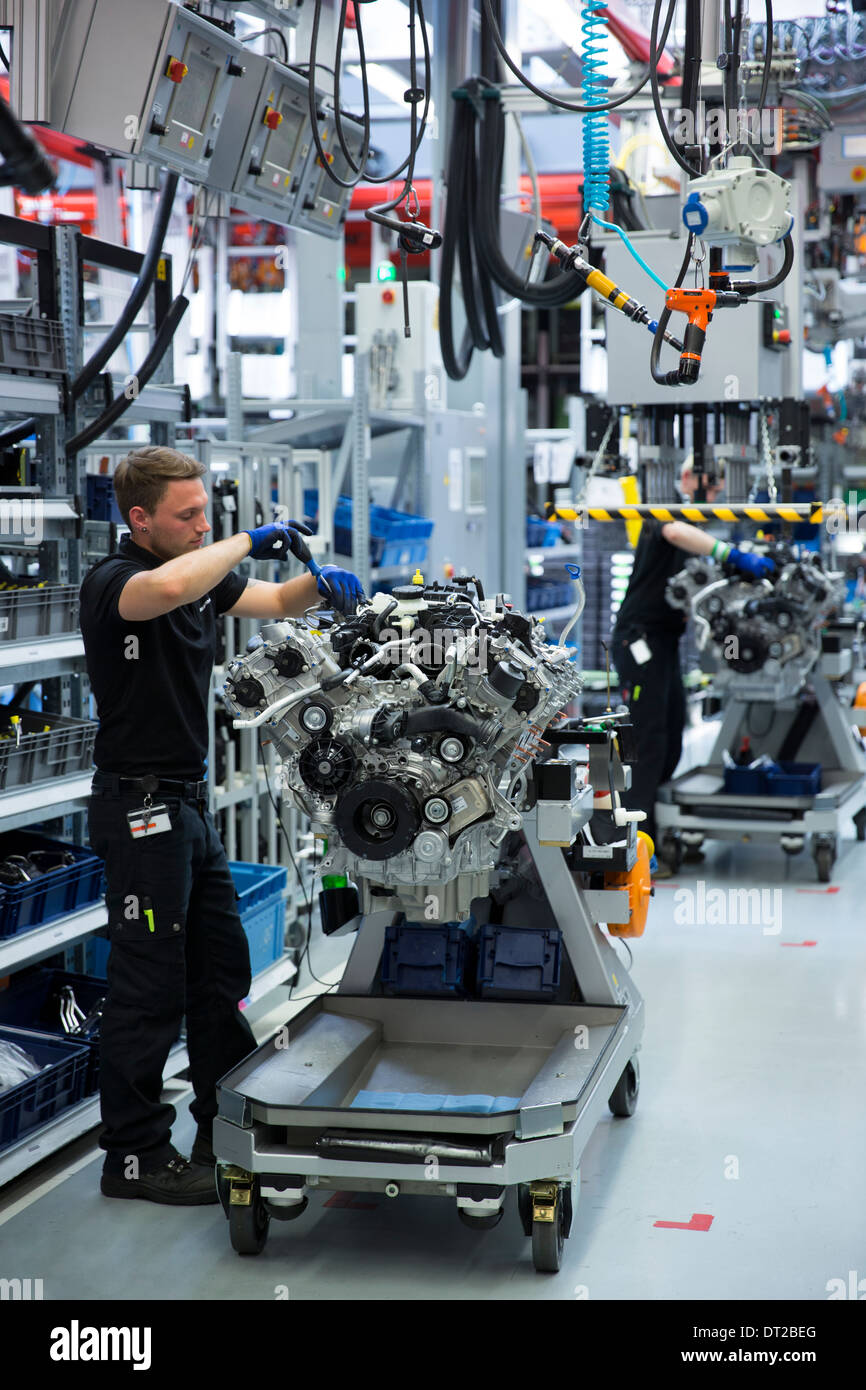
765, 635
399, 730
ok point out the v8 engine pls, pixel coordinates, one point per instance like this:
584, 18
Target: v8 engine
399, 730
764, 634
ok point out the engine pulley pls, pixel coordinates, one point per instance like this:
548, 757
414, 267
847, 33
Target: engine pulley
377, 819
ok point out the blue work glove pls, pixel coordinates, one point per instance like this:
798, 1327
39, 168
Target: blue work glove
340, 587
279, 540
758, 566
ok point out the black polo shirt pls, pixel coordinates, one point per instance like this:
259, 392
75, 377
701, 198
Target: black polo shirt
644, 606
150, 679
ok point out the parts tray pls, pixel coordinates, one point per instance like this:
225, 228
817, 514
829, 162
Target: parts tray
65, 747
46, 611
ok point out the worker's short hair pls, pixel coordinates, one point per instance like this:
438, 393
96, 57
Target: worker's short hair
142, 478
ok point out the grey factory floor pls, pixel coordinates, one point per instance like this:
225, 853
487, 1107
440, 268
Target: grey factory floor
751, 1114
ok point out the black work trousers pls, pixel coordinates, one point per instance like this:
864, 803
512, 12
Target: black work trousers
177, 947
654, 693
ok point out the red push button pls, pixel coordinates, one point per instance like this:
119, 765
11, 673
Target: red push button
272, 118
783, 335
176, 70
387, 296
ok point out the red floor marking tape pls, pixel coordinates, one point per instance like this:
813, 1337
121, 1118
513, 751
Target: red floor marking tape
798, 943
834, 889
700, 1222
346, 1199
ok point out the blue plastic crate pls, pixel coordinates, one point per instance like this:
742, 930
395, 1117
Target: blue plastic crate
518, 962
387, 527
101, 501
32, 1002
424, 960
27, 905
261, 904
34, 1102
745, 781
794, 779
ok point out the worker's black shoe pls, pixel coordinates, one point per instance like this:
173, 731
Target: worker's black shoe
202, 1152
178, 1184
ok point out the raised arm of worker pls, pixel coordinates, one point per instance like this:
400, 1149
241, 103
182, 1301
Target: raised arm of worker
698, 542
189, 577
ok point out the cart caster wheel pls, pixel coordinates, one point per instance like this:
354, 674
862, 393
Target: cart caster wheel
548, 1242
623, 1099
481, 1223
672, 851
248, 1226
824, 858
793, 845
286, 1213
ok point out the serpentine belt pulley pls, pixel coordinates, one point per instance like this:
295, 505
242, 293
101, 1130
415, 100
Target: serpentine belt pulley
377, 819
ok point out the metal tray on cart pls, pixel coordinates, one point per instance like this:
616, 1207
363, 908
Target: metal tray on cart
543, 1057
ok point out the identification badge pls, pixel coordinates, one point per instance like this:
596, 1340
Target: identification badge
640, 651
150, 820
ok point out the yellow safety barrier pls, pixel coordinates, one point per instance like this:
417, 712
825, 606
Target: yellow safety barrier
697, 513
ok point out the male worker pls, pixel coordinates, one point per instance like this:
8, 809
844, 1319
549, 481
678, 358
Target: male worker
148, 617
645, 648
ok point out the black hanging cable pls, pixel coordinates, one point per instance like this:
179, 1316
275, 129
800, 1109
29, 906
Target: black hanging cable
768, 55
550, 97
752, 287
271, 29
669, 378
137, 296
656, 48
141, 377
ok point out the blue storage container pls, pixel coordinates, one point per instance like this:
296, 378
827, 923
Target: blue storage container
55, 893
396, 538
261, 904
518, 962
32, 1002
794, 779
101, 502
60, 1084
745, 781
424, 960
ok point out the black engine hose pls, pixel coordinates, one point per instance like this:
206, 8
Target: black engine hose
434, 720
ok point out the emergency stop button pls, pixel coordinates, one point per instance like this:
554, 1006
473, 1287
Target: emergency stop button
273, 118
176, 70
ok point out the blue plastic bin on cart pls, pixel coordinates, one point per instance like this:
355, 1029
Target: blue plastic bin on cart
261, 904
794, 779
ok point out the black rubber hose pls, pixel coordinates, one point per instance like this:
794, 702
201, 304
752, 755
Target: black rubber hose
454, 233
25, 164
751, 287
121, 403
668, 378
437, 720
137, 296
139, 292
553, 293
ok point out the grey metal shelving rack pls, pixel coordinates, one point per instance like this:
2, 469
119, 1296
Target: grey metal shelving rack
70, 544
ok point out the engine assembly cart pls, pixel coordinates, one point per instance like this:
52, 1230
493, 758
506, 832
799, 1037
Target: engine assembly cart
488, 1094
695, 805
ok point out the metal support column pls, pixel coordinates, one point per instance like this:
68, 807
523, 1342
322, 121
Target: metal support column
361, 472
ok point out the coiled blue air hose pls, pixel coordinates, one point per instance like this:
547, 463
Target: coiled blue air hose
596, 142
